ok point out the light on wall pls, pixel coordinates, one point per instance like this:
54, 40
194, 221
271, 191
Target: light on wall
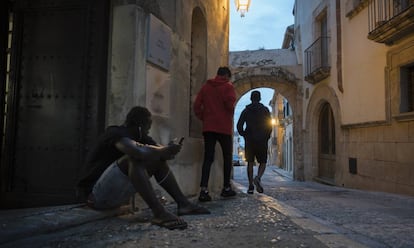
275, 122
242, 6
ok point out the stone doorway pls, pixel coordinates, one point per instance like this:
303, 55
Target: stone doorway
321, 134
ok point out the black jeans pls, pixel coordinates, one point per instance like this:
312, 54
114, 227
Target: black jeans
226, 143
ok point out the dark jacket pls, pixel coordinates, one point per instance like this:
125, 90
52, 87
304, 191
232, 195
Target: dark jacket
104, 153
258, 122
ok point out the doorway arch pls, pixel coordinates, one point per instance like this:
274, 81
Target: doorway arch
284, 81
323, 103
326, 144
198, 65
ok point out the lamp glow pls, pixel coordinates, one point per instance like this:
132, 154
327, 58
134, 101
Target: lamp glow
242, 6
275, 122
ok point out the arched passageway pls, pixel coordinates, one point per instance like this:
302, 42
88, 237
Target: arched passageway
284, 80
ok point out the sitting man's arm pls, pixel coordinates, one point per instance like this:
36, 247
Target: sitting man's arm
147, 152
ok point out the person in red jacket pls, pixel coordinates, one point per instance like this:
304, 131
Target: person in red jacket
214, 106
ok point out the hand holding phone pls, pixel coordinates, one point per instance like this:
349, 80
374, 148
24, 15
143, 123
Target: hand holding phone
181, 141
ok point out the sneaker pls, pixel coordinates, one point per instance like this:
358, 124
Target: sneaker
204, 197
258, 184
227, 192
250, 190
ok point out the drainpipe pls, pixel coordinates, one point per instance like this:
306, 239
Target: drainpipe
339, 46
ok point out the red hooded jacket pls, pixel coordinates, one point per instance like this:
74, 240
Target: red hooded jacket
214, 105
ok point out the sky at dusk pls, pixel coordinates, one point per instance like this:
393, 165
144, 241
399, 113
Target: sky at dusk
263, 27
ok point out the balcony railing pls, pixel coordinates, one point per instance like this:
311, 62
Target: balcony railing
317, 65
390, 20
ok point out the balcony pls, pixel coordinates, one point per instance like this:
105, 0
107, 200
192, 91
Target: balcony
317, 66
390, 20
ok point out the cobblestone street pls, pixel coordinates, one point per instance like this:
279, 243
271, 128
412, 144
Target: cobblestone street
375, 219
288, 214
239, 222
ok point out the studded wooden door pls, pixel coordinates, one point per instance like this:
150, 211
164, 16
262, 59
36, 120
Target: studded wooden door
55, 104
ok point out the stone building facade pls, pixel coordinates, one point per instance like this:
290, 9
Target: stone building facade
358, 115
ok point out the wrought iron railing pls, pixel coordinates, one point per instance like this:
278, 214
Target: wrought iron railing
382, 11
317, 57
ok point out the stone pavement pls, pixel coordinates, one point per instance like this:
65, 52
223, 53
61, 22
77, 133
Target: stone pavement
338, 215
288, 214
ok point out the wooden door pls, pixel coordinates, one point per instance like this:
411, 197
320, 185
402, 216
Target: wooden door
55, 97
327, 158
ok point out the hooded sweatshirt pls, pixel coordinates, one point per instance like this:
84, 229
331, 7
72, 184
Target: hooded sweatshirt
214, 105
258, 122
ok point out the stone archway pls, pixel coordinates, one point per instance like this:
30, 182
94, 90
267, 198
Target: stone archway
286, 80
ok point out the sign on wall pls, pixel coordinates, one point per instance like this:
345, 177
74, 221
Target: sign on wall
159, 43
158, 91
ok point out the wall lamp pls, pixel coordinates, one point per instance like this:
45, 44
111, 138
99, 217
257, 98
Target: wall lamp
242, 6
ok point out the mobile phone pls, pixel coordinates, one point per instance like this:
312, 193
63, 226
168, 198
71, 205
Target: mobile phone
181, 141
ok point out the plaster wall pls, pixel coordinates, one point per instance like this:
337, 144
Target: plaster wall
364, 62
383, 151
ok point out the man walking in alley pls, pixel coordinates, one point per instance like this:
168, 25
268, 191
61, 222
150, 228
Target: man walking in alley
214, 106
256, 133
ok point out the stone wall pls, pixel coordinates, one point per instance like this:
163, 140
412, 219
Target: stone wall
132, 77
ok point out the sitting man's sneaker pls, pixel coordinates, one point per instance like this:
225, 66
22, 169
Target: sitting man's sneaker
258, 184
204, 197
227, 192
250, 190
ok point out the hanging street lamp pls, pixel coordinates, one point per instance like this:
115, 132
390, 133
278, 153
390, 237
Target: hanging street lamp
242, 6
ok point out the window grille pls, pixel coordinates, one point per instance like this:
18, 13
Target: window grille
317, 66
382, 11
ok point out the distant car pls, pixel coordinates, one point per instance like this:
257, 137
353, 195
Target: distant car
236, 160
